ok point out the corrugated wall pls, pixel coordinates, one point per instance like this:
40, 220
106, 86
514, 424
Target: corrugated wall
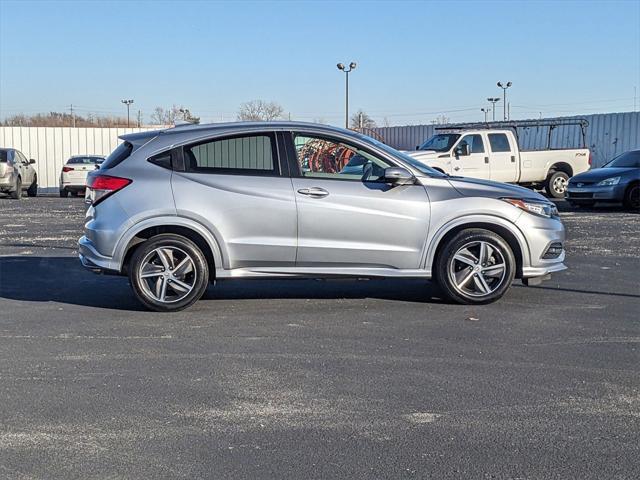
607, 135
52, 146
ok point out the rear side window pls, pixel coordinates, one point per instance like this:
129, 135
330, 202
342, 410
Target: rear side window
246, 155
3, 156
118, 155
499, 142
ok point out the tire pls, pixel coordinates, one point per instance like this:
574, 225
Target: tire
17, 193
456, 277
32, 191
64, 193
632, 197
74, 193
556, 184
158, 264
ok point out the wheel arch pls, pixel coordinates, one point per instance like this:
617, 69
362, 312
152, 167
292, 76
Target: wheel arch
507, 230
560, 167
198, 234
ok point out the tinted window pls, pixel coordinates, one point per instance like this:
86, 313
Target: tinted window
476, 145
499, 142
628, 159
3, 156
325, 158
249, 154
118, 155
83, 160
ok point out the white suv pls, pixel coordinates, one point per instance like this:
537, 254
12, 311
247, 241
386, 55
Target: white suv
74, 173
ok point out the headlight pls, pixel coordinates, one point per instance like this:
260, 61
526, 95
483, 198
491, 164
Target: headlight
607, 182
543, 209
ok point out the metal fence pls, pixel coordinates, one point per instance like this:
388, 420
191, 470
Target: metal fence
52, 146
608, 135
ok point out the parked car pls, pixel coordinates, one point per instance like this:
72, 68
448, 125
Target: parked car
17, 174
617, 181
177, 208
494, 154
73, 176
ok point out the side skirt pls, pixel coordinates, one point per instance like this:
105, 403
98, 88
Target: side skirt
320, 272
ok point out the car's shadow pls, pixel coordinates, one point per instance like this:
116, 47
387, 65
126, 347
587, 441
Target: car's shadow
64, 280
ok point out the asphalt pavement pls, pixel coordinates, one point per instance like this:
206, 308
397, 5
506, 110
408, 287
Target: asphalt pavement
296, 379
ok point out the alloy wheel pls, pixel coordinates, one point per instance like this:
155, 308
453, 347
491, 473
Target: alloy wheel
167, 274
477, 269
560, 185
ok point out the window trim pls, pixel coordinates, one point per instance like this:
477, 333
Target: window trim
277, 164
294, 166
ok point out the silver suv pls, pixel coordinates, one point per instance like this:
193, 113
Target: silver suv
176, 209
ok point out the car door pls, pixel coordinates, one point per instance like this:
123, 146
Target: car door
347, 216
476, 164
236, 186
504, 164
26, 173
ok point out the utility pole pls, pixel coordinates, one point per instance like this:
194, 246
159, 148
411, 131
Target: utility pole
493, 101
73, 117
341, 66
139, 118
504, 100
486, 111
128, 104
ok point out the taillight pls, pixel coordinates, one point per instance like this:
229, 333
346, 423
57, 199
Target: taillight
100, 187
67, 169
590, 159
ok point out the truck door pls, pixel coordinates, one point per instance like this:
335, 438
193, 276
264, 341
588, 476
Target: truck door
474, 165
505, 163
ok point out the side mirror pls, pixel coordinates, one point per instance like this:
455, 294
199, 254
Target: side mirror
417, 147
32, 161
398, 176
462, 150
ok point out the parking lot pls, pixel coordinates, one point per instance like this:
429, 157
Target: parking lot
316, 379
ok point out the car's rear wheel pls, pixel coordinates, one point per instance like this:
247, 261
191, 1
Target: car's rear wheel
632, 197
17, 193
33, 188
168, 273
556, 184
64, 193
476, 266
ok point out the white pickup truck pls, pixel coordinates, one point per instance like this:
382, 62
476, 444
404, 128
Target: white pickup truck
493, 154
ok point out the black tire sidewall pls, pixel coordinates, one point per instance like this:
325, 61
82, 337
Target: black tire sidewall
199, 260
627, 197
445, 256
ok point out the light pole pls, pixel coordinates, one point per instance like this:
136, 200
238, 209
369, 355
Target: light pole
486, 111
128, 104
341, 66
504, 100
493, 101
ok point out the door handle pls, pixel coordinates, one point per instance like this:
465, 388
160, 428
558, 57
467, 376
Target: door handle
513, 158
456, 168
313, 192
486, 159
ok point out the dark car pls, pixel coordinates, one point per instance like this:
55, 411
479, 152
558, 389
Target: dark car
617, 181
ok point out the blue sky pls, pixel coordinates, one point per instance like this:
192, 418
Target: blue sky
416, 60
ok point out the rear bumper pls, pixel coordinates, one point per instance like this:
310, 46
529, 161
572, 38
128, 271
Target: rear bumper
92, 260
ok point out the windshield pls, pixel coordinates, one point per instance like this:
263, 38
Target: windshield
440, 143
628, 159
421, 167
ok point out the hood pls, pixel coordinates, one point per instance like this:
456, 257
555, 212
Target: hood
599, 174
474, 187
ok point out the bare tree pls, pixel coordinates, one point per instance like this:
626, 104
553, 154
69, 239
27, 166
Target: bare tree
59, 119
361, 121
259, 110
169, 116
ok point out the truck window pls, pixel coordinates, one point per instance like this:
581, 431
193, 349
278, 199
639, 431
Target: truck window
499, 142
476, 145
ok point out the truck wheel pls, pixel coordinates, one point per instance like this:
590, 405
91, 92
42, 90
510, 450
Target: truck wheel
17, 193
632, 197
168, 273
33, 188
556, 185
64, 193
476, 266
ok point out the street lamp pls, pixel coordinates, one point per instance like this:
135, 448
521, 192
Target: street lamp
493, 101
341, 66
504, 102
486, 111
128, 104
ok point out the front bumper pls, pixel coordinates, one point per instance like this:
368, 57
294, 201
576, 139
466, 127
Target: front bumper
593, 193
541, 234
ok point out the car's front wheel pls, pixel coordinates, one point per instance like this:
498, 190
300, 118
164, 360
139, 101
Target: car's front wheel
476, 266
168, 273
632, 197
